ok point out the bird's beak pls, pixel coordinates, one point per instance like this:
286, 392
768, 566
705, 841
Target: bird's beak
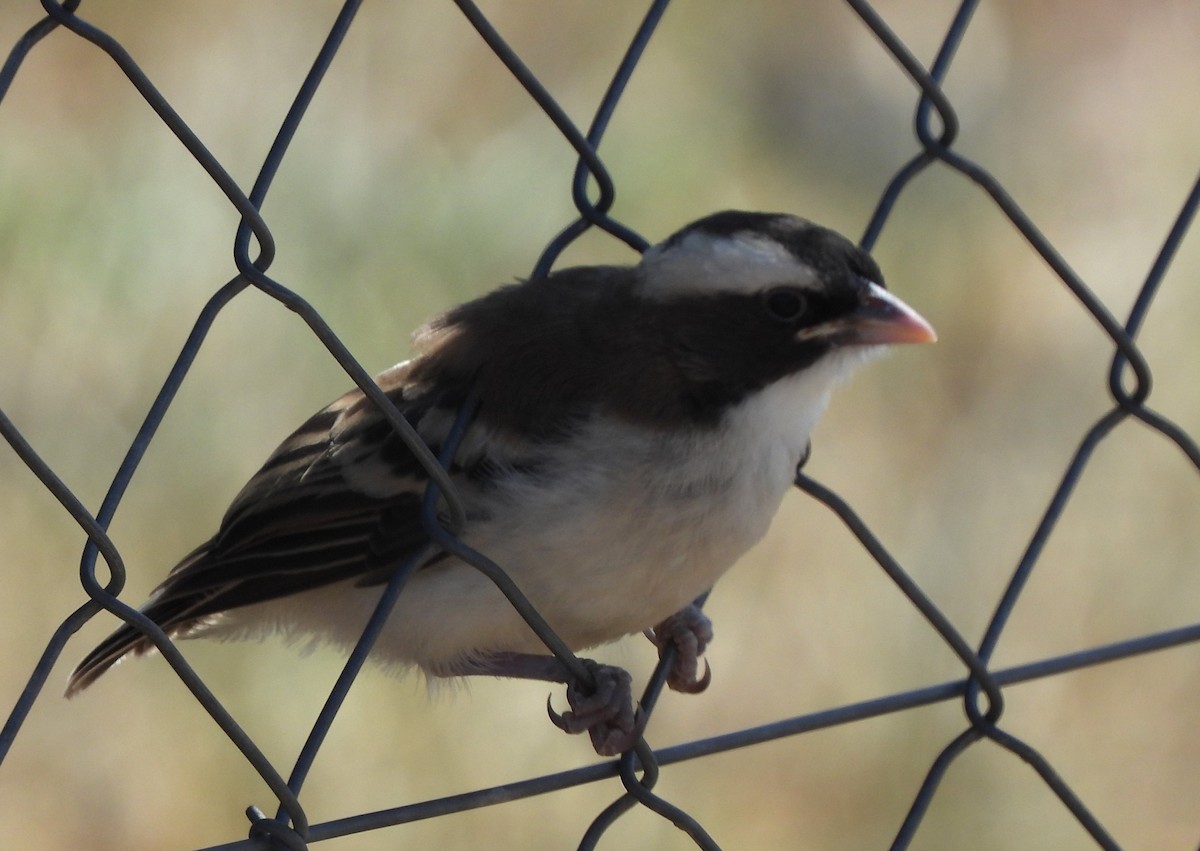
880, 319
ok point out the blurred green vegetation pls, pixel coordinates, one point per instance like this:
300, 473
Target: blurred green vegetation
424, 176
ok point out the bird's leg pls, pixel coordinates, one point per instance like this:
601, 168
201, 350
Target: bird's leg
604, 708
688, 631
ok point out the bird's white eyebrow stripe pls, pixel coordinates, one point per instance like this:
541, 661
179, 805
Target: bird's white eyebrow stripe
745, 262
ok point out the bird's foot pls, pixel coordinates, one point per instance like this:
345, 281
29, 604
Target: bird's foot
605, 710
688, 631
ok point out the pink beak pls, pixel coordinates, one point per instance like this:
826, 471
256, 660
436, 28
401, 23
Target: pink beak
881, 319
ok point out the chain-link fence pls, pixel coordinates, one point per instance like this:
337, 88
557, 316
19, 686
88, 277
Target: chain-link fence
980, 688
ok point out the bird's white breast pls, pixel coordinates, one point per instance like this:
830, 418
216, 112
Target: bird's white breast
646, 521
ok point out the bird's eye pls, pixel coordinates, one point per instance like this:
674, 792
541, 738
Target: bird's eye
785, 303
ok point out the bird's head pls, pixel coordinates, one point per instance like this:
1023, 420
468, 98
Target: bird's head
803, 276
757, 297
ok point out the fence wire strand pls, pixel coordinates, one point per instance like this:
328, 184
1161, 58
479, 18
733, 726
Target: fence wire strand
981, 689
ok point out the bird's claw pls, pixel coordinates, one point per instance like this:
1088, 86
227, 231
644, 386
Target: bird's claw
605, 711
688, 631
695, 684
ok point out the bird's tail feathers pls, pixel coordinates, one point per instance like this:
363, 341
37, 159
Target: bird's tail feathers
176, 615
112, 650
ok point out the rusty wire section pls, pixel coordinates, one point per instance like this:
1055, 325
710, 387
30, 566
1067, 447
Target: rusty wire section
981, 689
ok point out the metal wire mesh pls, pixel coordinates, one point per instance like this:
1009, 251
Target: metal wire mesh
981, 688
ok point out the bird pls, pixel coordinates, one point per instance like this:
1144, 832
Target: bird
635, 431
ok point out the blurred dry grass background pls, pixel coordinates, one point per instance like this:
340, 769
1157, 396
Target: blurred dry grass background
423, 176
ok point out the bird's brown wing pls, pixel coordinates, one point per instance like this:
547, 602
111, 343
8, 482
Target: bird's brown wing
339, 499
